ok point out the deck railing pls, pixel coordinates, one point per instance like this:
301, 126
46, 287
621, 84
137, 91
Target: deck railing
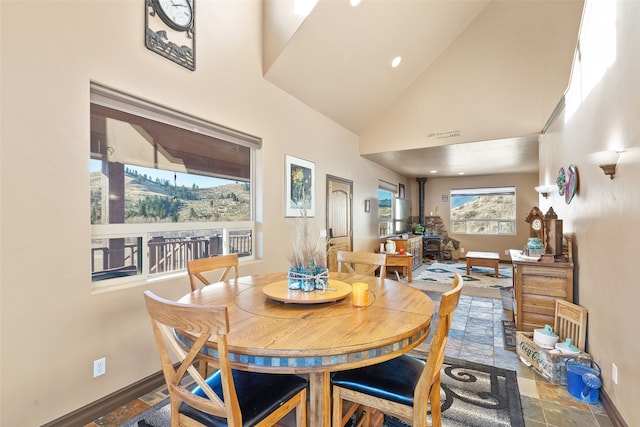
165, 254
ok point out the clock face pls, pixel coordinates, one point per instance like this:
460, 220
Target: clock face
177, 14
536, 224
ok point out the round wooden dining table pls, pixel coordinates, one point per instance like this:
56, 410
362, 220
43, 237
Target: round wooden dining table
269, 335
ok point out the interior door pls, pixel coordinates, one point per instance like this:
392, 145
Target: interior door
339, 218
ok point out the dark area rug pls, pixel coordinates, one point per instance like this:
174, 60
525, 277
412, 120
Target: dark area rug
509, 335
472, 395
476, 395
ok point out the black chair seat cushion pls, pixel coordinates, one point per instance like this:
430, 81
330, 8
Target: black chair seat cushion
258, 395
394, 380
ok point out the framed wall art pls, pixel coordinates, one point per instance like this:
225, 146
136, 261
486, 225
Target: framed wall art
300, 179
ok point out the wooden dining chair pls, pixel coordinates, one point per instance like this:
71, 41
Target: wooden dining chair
227, 397
571, 322
403, 386
196, 267
370, 260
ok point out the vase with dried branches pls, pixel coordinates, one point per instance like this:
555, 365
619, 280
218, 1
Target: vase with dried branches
308, 261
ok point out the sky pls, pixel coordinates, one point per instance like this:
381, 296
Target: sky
182, 179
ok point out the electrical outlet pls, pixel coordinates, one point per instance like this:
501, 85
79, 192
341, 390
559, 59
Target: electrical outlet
506, 251
461, 250
614, 373
99, 367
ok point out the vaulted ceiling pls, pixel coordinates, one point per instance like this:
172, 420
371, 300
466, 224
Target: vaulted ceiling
477, 82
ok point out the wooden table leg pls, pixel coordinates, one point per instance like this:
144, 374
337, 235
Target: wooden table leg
319, 407
497, 269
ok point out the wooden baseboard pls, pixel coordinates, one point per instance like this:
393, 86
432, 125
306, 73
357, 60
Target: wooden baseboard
109, 403
611, 410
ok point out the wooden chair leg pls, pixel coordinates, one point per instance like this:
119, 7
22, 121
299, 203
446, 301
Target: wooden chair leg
301, 411
434, 398
203, 368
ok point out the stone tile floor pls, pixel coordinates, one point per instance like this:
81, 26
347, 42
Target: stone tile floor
476, 335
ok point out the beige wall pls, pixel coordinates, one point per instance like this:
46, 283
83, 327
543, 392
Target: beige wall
526, 198
604, 214
53, 326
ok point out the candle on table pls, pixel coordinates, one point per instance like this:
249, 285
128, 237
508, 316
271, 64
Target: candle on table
359, 296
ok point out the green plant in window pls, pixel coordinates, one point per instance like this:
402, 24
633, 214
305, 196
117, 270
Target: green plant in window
418, 228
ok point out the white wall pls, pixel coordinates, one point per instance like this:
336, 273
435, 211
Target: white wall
604, 214
53, 326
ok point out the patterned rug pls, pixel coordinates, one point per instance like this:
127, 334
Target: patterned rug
475, 395
481, 282
472, 394
443, 272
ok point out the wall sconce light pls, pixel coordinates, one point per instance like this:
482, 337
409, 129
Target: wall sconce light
545, 190
608, 161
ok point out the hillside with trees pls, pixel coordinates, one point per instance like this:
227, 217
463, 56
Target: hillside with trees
154, 200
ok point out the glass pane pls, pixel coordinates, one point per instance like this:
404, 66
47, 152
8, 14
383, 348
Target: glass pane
507, 228
482, 227
385, 204
241, 242
170, 251
143, 195
115, 257
483, 210
385, 228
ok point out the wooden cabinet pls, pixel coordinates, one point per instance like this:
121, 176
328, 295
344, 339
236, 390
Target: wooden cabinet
413, 246
536, 285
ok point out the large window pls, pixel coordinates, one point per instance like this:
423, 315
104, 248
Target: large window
166, 188
483, 211
386, 194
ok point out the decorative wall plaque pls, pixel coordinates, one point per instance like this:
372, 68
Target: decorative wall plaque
171, 30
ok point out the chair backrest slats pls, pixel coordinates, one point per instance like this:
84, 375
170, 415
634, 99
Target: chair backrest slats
571, 322
202, 265
370, 260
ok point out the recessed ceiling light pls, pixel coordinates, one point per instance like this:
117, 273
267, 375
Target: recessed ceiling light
354, 3
460, 173
396, 61
434, 171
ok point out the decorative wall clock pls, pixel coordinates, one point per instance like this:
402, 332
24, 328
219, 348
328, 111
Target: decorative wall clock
171, 30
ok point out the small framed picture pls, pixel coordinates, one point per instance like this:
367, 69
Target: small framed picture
401, 191
299, 187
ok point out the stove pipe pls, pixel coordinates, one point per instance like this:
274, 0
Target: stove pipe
421, 182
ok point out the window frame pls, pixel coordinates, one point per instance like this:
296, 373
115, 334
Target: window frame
384, 222
109, 98
480, 191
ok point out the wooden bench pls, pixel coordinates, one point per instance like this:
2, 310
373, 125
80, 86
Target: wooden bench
483, 259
